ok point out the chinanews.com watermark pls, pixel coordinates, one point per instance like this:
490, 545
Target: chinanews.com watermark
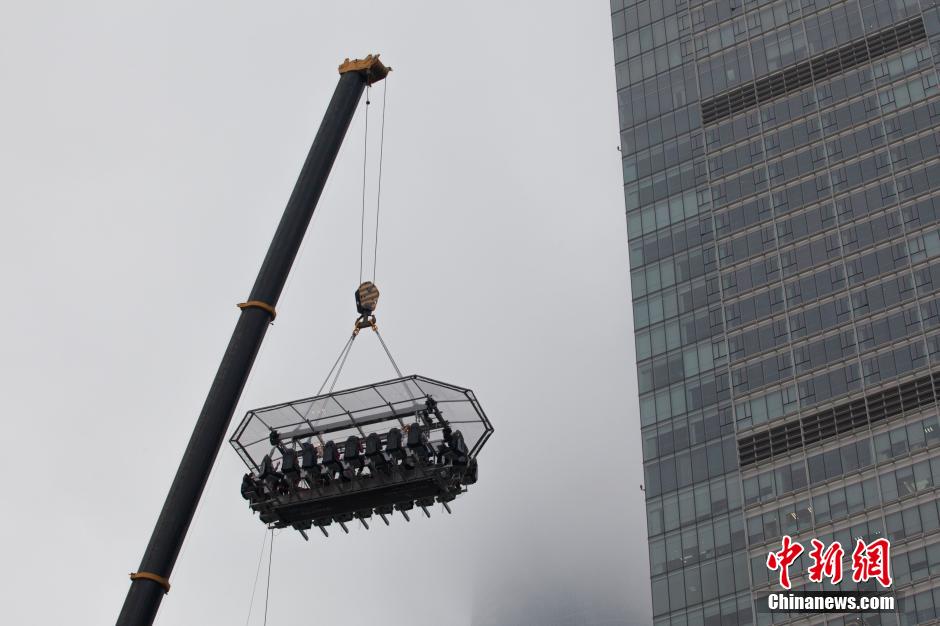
827, 602
870, 563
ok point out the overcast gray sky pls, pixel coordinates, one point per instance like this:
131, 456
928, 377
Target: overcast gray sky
148, 150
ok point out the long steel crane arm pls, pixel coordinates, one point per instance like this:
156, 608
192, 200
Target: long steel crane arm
151, 581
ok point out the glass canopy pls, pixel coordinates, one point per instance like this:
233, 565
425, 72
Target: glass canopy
359, 411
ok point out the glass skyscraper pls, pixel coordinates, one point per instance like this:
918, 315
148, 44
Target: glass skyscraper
781, 164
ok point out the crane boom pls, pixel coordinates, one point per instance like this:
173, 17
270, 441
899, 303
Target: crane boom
151, 581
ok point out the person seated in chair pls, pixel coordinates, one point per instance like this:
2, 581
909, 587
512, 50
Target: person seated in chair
418, 444
331, 460
377, 459
270, 477
290, 468
312, 471
351, 455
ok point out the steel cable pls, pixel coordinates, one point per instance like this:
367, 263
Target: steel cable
378, 195
254, 587
267, 593
365, 162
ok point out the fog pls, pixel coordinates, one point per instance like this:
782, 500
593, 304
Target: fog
148, 152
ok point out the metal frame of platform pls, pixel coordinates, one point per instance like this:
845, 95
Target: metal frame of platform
408, 404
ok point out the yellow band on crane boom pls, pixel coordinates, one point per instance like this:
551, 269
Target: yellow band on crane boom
258, 304
160, 580
374, 69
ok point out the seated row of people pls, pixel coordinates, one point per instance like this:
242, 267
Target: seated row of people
316, 467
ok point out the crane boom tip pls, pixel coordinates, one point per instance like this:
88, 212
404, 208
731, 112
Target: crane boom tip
373, 69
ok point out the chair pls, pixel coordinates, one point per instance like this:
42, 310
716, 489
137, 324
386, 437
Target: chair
457, 452
270, 476
393, 445
351, 453
377, 458
331, 460
309, 465
251, 491
290, 467
418, 443
472, 473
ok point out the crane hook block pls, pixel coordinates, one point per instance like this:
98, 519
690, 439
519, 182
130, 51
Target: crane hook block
367, 298
373, 69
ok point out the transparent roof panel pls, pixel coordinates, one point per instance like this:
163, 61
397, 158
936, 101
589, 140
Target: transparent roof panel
360, 411
441, 392
361, 400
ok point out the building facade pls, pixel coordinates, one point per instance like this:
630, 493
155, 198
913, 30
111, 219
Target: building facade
781, 164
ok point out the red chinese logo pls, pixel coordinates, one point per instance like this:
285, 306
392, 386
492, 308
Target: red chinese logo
869, 561
826, 563
781, 560
872, 560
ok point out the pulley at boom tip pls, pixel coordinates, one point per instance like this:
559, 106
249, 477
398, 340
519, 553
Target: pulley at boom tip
371, 67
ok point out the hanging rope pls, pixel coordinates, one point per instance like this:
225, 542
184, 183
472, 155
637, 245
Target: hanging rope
254, 587
342, 363
267, 593
365, 162
341, 357
378, 195
387, 352
367, 294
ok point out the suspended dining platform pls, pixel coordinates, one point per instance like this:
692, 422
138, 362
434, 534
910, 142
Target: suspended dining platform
385, 447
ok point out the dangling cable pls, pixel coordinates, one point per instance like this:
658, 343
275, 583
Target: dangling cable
267, 593
251, 603
367, 294
341, 356
342, 364
365, 162
378, 195
340, 361
387, 352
